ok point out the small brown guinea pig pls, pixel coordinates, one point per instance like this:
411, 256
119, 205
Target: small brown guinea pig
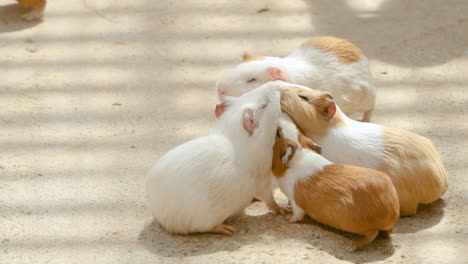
38, 7
350, 198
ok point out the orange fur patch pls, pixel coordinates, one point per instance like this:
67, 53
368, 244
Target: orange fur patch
344, 50
248, 57
349, 198
413, 164
278, 168
28, 3
309, 115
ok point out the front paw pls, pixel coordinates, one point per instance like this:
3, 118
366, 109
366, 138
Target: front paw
296, 218
278, 210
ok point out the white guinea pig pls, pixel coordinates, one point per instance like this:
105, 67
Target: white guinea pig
197, 185
323, 63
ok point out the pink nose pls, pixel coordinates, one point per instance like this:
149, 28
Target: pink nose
221, 93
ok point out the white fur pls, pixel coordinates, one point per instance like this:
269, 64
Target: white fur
357, 143
197, 185
350, 84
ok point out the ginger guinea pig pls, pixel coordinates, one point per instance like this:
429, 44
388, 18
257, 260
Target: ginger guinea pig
324, 63
197, 185
354, 199
410, 160
37, 9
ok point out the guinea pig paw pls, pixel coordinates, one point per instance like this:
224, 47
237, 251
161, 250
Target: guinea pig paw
351, 249
223, 229
32, 16
281, 211
276, 209
295, 219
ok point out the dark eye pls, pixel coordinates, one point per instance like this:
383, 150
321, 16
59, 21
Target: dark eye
278, 134
303, 97
251, 80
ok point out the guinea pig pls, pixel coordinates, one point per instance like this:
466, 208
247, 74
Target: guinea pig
350, 198
196, 186
410, 160
37, 9
324, 63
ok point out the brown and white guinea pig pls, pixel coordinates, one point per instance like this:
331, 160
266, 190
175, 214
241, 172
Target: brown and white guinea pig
324, 63
410, 160
196, 186
37, 9
346, 197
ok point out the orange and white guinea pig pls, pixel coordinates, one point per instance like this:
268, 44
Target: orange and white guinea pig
354, 199
410, 160
37, 11
325, 63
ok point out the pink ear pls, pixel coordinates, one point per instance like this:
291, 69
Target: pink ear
276, 74
330, 109
249, 122
219, 110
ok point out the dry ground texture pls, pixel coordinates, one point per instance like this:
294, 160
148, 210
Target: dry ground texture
93, 95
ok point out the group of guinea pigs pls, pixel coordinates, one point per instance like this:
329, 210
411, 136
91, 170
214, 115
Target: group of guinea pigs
287, 122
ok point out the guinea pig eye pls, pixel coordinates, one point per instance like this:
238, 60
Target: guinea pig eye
278, 133
251, 80
303, 97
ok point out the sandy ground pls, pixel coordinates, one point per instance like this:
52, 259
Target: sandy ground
93, 95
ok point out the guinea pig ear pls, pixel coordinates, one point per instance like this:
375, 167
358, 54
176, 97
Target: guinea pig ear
247, 57
329, 107
249, 122
290, 149
276, 74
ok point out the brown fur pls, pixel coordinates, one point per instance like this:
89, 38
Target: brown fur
248, 57
37, 9
350, 198
29, 3
278, 168
306, 142
312, 119
344, 50
409, 156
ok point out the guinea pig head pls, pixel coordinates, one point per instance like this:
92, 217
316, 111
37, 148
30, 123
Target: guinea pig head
252, 73
258, 109
311, 110
283, 151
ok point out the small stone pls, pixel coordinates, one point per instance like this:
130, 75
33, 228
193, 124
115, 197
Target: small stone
117, 104
28, 40
263, 10
132, 147
384, 72
31, 49
403, 256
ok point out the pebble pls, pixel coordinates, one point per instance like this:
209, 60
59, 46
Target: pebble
31, 49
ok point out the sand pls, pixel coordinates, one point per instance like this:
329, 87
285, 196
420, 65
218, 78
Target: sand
94, 94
